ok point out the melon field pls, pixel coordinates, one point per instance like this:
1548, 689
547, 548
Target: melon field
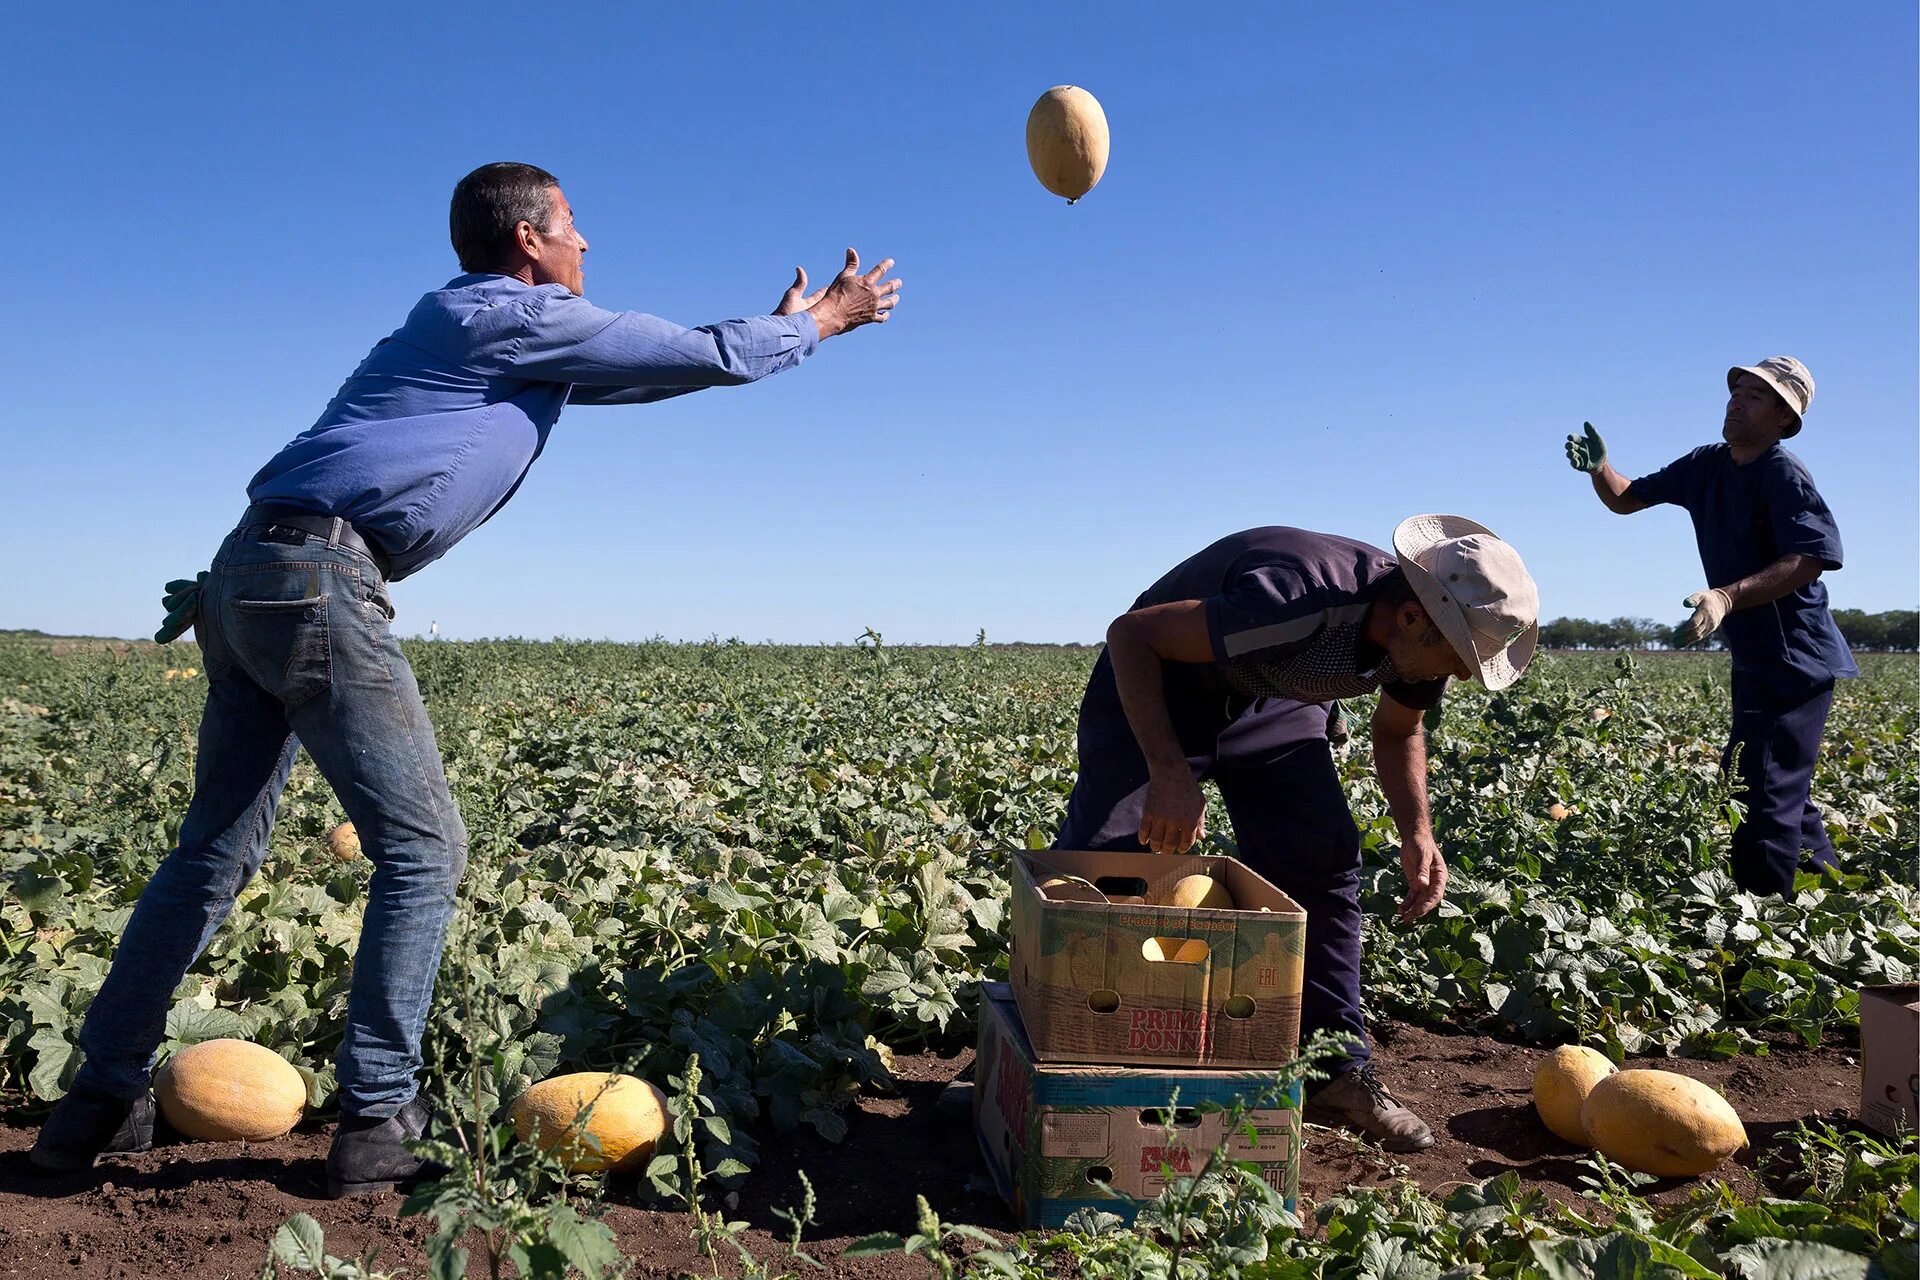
768, 880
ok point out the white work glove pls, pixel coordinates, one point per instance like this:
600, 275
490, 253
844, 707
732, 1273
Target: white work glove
1710, 609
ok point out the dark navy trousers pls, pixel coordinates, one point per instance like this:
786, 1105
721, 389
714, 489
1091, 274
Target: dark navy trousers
1275, 771
1774, 744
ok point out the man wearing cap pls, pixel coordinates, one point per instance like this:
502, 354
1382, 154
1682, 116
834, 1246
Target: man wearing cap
1223, 669
1765, 537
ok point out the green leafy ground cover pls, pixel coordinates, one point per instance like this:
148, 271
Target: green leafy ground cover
788, 861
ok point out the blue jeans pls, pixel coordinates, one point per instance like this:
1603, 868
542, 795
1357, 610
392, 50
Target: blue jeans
298, 653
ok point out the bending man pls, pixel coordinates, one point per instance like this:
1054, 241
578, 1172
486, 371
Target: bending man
428, 438
1222, 670
1765, 537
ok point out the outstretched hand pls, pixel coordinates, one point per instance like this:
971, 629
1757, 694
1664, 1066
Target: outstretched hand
853, 299
796, 299
1587, 452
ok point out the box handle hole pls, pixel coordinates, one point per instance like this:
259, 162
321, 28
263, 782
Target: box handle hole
1105, 1000
1178, 1117
1175, 950
1238, 1007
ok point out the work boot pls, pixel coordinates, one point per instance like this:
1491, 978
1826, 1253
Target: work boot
88, 1124
369, 1153
1357, 1100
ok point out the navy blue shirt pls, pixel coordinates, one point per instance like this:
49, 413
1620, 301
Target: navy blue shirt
437, 427
1286, 615
1744, 519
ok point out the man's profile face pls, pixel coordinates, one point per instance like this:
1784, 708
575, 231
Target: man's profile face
1756, 415
557, 251
1418, 649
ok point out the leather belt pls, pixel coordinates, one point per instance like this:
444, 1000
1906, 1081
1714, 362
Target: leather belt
332, 529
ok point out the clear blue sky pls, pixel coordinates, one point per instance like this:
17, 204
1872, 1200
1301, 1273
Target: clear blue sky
1348, 262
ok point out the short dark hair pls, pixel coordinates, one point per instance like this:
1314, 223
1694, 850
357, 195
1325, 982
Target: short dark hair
489, 203
1397, 589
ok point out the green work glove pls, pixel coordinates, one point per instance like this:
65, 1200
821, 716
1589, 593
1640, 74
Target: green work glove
182, 603
1587, 453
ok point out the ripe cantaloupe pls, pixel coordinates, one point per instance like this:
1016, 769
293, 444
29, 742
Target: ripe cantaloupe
1067, 141
1070, 889
1561, 1084
629, 1115
1559, 812
1175, 950
1662, 1123
345, 842
224, 1090
1200, 891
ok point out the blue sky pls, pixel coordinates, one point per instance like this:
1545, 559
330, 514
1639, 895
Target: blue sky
1348, 262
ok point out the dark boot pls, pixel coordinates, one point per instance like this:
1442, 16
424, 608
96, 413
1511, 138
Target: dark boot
369, 1154
1357, 1100
87, 1124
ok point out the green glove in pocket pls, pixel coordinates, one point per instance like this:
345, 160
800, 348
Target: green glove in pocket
182, 603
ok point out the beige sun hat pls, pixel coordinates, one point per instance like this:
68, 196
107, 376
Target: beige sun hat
1476, 590
1789, 380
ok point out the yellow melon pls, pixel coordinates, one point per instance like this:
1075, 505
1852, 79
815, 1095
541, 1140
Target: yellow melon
1070, 889
1559, 812
1561, 1084
1175, 950
223, 1090
1067, 141
1662, 1123
629, 1115
1200, 891
345, 842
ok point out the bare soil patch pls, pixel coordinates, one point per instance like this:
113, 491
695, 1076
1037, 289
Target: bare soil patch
194, 1210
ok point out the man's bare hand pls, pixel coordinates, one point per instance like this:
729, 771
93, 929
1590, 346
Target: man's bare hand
1175, 816
796, 299
1426, 873
854, 299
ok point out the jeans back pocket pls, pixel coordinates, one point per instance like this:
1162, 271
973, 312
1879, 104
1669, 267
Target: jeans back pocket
284, 646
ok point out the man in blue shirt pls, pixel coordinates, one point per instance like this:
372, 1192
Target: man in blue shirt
1765, 537
1224, 669
427, 439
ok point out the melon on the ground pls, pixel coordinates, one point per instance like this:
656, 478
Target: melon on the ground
1200, 891
629, 1115
1661, 1122
1561, 1084
1070, 889
224, 1090
1067, 141
345, 842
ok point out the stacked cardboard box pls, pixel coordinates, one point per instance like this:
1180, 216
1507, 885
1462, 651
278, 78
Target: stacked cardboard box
1125, 1019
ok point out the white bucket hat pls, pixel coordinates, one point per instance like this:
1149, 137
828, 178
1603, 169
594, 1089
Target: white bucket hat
1789, 380
1476, 590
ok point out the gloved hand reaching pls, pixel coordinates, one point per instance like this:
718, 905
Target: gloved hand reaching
1587, 452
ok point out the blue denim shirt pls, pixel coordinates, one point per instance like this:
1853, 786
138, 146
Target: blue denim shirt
437, 427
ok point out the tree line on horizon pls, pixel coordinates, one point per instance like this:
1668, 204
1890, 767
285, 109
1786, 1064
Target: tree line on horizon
1895, 630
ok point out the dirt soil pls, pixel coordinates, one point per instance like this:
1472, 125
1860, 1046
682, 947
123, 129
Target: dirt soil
195, 1210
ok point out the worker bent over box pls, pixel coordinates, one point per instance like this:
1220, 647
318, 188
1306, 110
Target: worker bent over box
1142, 984
1053, 1134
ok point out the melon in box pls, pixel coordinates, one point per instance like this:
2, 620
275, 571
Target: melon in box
1152, 982
1052, 1134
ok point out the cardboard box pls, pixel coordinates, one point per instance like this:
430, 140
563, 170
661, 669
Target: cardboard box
1222, 988
1890, 1058
1051, 1132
